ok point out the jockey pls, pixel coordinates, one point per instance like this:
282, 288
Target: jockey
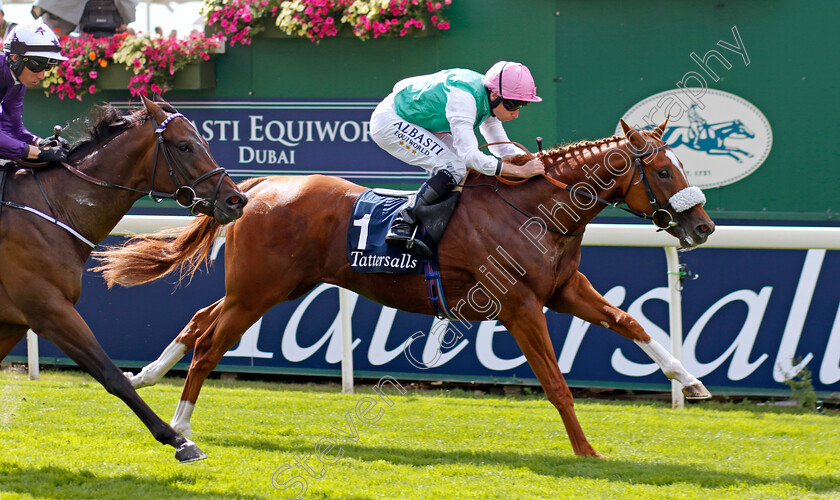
428, 121
698, 127
28, 52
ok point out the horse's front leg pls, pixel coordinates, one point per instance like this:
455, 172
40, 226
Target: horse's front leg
579, 298
528, 327
55, 319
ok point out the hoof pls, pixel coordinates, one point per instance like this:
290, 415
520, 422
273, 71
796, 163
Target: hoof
189, 452
696, 391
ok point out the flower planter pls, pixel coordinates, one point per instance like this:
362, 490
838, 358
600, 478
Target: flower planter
200, 75
113, 76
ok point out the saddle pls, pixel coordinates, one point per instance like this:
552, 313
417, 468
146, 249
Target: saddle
373, 213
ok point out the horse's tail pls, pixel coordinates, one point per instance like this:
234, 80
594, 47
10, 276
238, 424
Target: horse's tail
147, 257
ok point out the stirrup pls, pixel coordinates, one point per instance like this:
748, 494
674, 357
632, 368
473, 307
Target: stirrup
411, 241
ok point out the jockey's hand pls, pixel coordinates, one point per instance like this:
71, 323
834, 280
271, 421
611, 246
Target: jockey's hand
52, 141
533, 167
55, 153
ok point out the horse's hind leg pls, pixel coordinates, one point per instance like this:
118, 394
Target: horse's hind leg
183, 343
10, 335
531, 334
229, 323
579, 298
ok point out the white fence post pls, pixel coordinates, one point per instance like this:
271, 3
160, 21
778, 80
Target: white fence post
675, 319
345, 310
32, 355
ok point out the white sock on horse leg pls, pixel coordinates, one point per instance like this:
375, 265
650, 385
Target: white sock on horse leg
154, 371
670, 366
181, 420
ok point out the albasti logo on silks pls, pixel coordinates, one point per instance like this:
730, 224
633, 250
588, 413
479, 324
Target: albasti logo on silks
719, 137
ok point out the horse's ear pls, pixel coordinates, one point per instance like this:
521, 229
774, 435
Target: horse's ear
633, 136
163, 104
658, 131
153, 109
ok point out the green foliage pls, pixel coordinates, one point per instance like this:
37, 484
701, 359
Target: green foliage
801, 388
65, 437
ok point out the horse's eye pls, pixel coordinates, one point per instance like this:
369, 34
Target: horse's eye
664, 174
184, 147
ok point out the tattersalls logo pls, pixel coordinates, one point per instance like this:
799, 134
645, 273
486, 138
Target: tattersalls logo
719, 137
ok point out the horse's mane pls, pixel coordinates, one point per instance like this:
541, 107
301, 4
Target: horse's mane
558, 153
104, 122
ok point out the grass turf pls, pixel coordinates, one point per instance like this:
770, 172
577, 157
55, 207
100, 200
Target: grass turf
65, 437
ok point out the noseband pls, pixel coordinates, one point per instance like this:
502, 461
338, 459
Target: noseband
184, 194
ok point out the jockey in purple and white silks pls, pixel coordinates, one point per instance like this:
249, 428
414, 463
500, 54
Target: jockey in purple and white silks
28, 52
429, 121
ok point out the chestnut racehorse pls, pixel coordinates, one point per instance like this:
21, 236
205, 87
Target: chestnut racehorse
52, 217
293, 236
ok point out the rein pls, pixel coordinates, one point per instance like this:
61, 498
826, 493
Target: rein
658, 207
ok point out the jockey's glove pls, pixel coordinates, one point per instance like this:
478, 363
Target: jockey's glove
55, 153
53, 141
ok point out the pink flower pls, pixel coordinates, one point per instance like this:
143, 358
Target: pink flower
91, 89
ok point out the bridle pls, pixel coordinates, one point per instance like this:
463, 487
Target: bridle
660, 210
184, 194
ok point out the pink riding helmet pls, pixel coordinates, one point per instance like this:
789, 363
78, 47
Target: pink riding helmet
511, 80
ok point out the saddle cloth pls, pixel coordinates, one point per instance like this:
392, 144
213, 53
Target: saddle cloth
367, 251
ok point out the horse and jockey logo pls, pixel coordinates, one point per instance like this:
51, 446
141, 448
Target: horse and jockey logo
719, 137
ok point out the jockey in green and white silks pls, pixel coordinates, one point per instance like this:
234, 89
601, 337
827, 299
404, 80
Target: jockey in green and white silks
429, 121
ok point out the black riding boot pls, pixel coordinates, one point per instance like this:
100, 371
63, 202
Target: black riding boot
404, 228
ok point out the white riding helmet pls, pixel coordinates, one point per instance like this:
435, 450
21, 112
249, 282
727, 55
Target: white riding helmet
33, 40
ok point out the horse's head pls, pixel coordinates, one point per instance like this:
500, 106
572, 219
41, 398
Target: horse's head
742, 130
199, 183
663, 190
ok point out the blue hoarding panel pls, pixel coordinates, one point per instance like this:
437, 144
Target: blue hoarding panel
748, 319
255, 137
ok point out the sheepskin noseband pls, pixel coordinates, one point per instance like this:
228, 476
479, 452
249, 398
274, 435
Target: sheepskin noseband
687, 198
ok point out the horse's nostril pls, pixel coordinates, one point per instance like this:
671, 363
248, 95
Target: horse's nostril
703, 229
237, 201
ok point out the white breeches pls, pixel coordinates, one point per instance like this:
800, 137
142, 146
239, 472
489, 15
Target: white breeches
413, 144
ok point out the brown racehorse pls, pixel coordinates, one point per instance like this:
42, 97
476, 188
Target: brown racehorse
154, 151
293, 236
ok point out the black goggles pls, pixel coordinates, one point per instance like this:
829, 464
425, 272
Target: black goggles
36, 64
513, 104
